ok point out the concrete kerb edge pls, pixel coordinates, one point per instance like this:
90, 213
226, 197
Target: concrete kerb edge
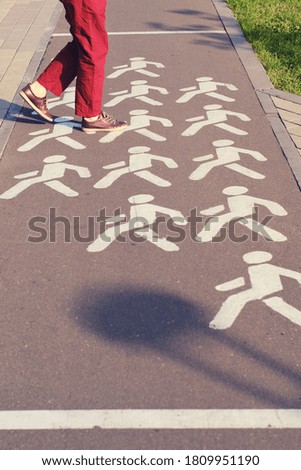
16, 106
262, 86
284, 95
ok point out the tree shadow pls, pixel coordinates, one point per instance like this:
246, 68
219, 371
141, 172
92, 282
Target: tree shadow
168, 324
208, 38
186, 11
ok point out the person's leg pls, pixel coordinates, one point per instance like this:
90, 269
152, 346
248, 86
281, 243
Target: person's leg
62, 70
92, 40
57, 76
85, 58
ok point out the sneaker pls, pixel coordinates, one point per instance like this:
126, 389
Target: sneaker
38, 104
104, 123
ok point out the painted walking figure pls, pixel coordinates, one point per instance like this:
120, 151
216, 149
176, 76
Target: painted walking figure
138, 65
143, 215
84, 59
140, 123
241, 209
216, 116
53, 170
265, 281
206, 86
226, 155
139, 91
61, 132
139, 163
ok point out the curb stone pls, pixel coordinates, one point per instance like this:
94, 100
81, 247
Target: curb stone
262, 86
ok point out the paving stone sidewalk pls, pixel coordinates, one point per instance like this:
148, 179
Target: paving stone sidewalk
289, 109
23, 25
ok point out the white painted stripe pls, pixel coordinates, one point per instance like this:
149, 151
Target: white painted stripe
133, 33
150, 419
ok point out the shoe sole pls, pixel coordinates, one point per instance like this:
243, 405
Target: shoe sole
92, 131
31, 104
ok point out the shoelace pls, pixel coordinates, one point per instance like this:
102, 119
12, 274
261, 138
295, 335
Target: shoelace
45, 103
108, 118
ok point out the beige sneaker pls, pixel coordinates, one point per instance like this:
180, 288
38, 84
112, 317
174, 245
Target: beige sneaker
38, 104
104, 123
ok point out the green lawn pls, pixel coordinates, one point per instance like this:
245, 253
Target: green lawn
273, 27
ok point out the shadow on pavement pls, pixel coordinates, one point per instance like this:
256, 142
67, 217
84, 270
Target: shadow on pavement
172, 326
17, 113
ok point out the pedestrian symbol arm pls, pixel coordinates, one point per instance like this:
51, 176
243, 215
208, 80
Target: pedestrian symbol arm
213, 210
157, 64
26, 175
253, 153
241, 116
274, 207
190, 88
203, 158
195, 119
289, 273
169, 162
82, 171
231, 87
177, 216
116, 93
165, 122
230, 285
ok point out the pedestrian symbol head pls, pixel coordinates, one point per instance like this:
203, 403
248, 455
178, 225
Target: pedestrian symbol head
138, 112
235, 190
139, 82
257, 257
204, 79
223, 143
139, 149
55, 159
212, 107
141, 199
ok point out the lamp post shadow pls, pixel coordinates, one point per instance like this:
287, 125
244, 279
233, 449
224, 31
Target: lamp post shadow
168, 324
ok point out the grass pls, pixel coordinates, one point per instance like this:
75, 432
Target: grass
273, 27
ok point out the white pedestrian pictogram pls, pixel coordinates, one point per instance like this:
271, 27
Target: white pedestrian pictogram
208, 87
61, 131
216, 116
139, 90
67, 99
241, 209
53, 170
139, 123
139, 163
226, 156
143, 214
265, 281
137, 64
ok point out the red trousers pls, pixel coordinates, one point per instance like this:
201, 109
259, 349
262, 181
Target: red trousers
84, 57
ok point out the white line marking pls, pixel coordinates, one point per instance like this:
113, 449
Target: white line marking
130, 33
151, 419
